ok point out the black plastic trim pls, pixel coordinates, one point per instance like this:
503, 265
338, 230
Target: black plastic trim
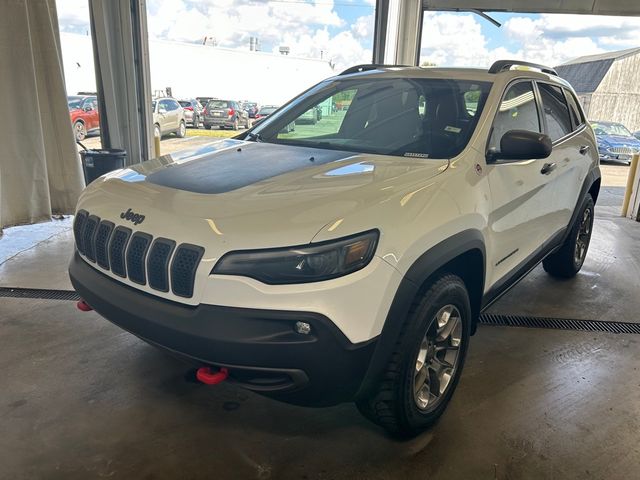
78, 228
99, 254
152, 277
246, 339
89, 236
120, 268
192, 275
129, 260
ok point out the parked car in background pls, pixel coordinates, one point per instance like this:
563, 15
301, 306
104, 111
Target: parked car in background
615, 141
204, 100
251, 108
267, 110
83, 110
308, 117
168, 117
225, 114
264, 112
192, 112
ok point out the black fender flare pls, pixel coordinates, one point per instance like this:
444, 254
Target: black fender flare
423, 268
590, 180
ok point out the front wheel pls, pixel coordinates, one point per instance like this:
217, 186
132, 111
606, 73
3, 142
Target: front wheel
182, 130
79, 130
568, 260
427, 361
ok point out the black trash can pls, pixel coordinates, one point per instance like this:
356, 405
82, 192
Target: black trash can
96, 163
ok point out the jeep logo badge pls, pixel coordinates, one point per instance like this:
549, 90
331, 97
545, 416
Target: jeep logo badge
136, 218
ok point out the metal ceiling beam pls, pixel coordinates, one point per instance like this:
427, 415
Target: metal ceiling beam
585, 7
121, 56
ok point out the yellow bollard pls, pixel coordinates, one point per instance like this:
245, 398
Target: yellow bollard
156, 142
630, 180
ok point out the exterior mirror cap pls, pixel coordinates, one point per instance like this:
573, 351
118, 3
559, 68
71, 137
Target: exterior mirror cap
522, 145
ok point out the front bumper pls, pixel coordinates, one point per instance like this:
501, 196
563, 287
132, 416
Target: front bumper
259, 347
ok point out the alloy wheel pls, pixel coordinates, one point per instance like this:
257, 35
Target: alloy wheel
584, 237
437, 358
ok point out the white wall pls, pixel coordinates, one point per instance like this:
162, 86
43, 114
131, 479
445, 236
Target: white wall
197, 70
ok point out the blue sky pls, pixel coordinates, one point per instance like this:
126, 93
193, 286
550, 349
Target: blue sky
342, 30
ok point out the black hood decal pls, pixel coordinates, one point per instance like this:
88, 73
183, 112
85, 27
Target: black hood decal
237, 167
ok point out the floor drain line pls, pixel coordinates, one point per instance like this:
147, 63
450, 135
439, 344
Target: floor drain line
39, 293
485, 319
559, 323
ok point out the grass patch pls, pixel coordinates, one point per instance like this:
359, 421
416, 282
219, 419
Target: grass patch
192, 132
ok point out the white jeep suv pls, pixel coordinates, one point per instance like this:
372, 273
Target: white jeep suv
348, 259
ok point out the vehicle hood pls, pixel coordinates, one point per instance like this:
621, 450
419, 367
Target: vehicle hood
619, 141
260, 195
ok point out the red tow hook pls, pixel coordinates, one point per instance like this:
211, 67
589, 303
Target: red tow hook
84, 306
211, 377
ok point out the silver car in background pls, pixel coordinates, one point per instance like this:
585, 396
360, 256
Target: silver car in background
168, 117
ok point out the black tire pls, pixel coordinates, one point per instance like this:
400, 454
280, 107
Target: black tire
394, 403
235, 124
196, 122
208, 127
568, 260
79, 130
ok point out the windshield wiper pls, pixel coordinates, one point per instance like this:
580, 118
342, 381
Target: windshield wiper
254, 136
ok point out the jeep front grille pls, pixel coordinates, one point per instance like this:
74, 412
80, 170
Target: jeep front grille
138, 256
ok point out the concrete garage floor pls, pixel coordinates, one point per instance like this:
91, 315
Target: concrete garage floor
80, 398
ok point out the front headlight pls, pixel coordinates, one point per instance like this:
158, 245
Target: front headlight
303, 264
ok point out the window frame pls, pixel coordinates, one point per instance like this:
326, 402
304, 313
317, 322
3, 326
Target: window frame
541, 109
570, 95
541, 120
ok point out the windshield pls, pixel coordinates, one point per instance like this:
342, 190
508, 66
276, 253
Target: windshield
610, 129
74, 102
428, 118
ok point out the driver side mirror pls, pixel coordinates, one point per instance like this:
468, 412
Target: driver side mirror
521, 145
88, 108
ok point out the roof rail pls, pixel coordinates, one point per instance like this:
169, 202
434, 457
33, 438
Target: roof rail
502, 65
367, 67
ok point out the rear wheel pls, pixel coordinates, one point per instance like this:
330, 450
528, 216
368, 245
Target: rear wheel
196, 122
568, 260
79, 130
206, 126
427, 361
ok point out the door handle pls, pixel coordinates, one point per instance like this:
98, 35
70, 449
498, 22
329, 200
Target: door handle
547, 168
584, 149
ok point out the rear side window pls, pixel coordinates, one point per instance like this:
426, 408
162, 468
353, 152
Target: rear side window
556, 111
517, 111
576, 114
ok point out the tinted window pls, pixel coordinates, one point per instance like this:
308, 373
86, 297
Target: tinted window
556, 111
172, 105
576, 114
184, 103
164, 105
414, 117
267, 110
218, 104
517, 111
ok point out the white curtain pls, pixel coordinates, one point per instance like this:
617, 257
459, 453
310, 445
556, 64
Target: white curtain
40, 172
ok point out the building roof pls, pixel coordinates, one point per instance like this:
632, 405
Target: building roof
586, 73
604, 56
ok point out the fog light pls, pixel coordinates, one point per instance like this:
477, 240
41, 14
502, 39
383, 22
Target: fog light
303, 328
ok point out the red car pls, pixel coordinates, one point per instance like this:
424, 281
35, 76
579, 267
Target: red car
83, 110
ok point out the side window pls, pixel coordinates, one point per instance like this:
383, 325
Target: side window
164, 105
556, 111
576, 114
517, 111
173, 105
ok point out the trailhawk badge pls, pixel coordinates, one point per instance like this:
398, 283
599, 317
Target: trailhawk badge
136, 218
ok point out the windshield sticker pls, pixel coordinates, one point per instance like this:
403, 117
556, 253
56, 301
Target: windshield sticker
419, 155
451, 129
